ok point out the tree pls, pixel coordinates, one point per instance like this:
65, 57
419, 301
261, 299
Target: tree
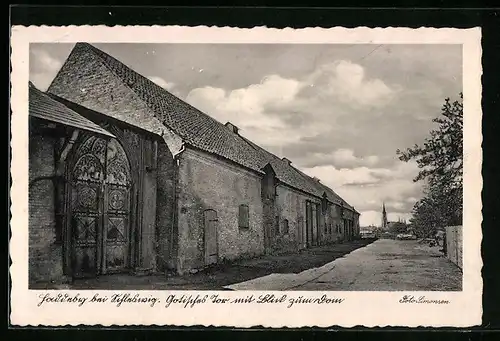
427, 217
440, 160
398, 227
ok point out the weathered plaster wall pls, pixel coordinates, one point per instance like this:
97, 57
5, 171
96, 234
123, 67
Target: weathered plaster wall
45, 252
291, 205
205, 182
166, 231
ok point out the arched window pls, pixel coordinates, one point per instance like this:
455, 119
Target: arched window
243, 217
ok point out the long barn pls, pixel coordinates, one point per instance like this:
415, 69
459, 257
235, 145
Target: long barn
127, 177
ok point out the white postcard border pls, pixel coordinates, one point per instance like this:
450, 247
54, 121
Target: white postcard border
368, 309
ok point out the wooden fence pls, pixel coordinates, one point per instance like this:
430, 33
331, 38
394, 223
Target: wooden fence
454, 244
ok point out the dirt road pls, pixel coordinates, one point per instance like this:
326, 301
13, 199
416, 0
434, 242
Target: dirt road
385, 265
221, 275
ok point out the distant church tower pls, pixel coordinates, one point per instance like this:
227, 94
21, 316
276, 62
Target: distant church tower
384, 217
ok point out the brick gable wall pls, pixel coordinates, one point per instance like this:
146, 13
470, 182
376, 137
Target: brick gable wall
84, 80
45, 254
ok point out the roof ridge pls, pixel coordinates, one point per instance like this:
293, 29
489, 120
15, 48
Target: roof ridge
255, 146
322, 185
194, 126
99, 52
166, 106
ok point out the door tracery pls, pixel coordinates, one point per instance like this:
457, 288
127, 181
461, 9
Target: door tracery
100, 208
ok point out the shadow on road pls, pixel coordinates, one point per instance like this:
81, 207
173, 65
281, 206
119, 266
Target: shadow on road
215, 278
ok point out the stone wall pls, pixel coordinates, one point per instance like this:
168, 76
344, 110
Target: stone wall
208, 183
85, 83
454, 245
84, 80
291, 208
166, 229
330, 231
45, 244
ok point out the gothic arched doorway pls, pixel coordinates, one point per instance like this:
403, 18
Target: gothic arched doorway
100, 183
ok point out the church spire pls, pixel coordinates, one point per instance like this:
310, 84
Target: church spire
384, 216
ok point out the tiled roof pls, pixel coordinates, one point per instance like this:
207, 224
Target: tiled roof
194, 126
46, 108
285, 172
202, 131
330, 193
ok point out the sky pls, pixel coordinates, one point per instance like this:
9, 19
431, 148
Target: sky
338, 112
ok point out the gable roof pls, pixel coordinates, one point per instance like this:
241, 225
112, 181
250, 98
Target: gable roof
199, 129
284, 171
330, 193
44, 107
193, 126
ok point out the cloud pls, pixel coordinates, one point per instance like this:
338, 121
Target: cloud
340, 158
161, 82
319, 105
279, 111
248, 109
347, 82
367, 188
363, 175
328, 107
43, 68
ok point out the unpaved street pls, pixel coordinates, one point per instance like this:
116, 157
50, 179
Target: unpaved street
385, 265
221, 275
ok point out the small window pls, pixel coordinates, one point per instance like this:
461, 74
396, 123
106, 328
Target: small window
243, 217
277, 225
285, 226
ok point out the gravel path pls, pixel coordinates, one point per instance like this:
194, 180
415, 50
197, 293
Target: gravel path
385, 265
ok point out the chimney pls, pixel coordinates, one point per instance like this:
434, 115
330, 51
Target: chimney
286, 160
316, 179
232, 127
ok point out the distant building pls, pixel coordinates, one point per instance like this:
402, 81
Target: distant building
369, 228
384, 224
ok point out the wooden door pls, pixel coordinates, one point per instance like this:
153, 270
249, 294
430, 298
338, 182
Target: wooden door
99, 208
117, 209
211, 246
314, 219
309, 219
300, 231
268, 222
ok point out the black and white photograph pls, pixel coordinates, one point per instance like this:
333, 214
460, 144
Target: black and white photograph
209, 166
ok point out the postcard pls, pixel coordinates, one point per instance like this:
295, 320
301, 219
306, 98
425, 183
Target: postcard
180, 176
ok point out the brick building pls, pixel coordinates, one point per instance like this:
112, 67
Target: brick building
143, 182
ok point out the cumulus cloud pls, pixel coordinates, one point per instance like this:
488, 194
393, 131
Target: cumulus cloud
347, 82
363, 175
280, 110
248, 109
43, 68
161, 82
340, 158
367, 188
327, 108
